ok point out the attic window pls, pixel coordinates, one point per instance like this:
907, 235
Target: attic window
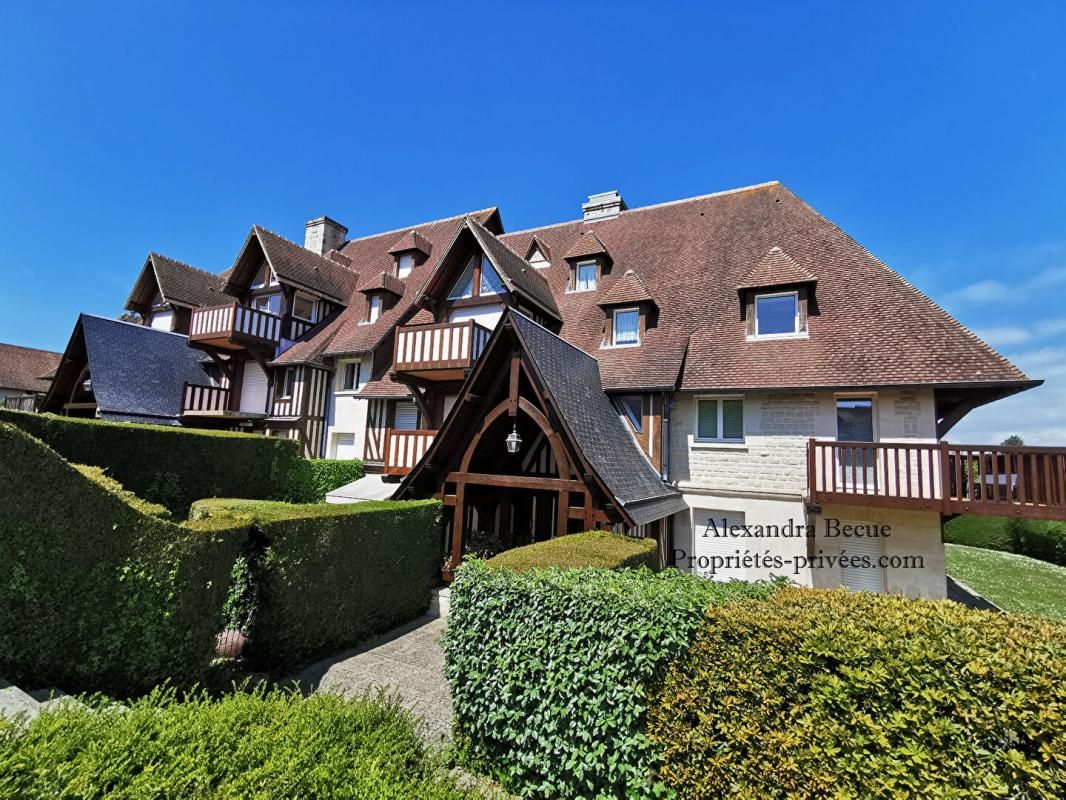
264, 278
479, 278
777, 315
405, 262
625, 327
537, 259
303, 307
632, 408
373, 308
585, 276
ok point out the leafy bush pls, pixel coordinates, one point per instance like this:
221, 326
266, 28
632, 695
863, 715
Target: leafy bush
94, 594
260, 744
1039, 539
332, 575
547, 670
170, 466
313, 478
592, 549
990, 533
814, 694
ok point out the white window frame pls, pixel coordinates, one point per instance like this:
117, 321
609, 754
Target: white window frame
538, 260
614, 327
314, 307
267, 296
407, 258
271, 281
797, 332
374, 308
343, 367
577, 276
623, 410
717, 398
287, 390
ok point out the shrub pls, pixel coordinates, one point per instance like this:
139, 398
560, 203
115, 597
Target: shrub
835, 694
333, 575
101, 479
167, 465
592, 549
274, 744
313, 478
990, 533
1039, 539
547, 670
94, 594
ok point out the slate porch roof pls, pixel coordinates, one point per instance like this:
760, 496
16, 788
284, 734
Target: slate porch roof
23, 368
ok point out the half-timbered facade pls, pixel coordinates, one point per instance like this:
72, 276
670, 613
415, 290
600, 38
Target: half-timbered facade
731, 362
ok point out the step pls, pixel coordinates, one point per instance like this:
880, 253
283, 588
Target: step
438, 603
14, 701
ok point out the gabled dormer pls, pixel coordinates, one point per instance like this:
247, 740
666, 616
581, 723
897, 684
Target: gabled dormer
166, 292
538, 255
412, 250
589, 261
777, 297
630, 312
381, 292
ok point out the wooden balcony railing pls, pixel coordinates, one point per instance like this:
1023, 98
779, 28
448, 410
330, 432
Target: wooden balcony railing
952, 479
441, 351
233, 327
205, 400
404, 449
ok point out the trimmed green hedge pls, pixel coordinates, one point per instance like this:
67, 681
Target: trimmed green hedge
548, 667
95, 594
814, 694
259, 745
591, 549
332, 575
313, 478
1035, 538
167, 465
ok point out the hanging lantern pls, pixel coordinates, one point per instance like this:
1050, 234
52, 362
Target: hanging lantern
514, 441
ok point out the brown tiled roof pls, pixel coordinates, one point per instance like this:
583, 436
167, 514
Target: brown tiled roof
178, 283
370, 255
586, 245
384, 387
776, 268
630, 289
298, 265
412, 240
22, 367
517, 273
383, 281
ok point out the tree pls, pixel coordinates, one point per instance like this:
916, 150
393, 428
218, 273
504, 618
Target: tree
1013, 441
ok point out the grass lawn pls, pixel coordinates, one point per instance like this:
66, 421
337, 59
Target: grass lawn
1014, 583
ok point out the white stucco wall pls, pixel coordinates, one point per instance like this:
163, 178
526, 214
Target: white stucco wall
346, 414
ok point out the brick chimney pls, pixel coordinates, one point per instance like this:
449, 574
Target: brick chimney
604, 205
323, 234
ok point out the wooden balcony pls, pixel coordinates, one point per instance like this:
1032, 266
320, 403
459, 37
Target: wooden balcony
210, 402
235, 327
404, 449
439, 352
1027, 482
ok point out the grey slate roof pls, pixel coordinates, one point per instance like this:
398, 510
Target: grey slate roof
572, 378
147, 388
186, 285
515, 271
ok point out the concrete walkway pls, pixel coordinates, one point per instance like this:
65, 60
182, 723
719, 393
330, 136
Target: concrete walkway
369, 487
407, 661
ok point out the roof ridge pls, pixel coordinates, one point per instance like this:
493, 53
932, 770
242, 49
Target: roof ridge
132, 324
406, 228
628, 211
156, 254
32, 349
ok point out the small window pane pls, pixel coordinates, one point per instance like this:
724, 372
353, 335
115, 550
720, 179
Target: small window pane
733, 419
405, 264
268, 302
633, 408
464, 287
490, 281
707, 419
776, 315
303, 308
586, 276
375, 307
626, 326
351, 376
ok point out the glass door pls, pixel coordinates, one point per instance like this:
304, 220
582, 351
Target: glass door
855, 423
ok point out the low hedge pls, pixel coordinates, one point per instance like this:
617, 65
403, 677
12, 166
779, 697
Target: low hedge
332, 575
591, 549
547, 670
260, 744
94, 593
168, 465
313, 478
814, 694
1035, 538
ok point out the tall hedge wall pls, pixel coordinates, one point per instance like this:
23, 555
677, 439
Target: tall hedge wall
94, 594
589, 549
333, 575
815, 694
548, 671
170, 466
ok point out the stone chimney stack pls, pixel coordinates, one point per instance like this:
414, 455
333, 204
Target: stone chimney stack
604, 205
323, 234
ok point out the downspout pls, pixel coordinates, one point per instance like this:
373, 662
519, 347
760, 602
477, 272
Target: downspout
668, 403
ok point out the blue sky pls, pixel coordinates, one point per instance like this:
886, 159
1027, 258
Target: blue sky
933, 133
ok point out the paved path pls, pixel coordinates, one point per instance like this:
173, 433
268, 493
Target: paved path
408, 661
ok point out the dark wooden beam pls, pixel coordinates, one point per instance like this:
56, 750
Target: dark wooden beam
513, 481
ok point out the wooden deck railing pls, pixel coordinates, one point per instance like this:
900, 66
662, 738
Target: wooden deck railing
447, 346
233, 324
404, 449
204, 400
949, 478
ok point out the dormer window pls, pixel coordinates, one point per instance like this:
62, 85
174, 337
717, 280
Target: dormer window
303, 308
777, 315
585, 276
264, 278
373, 308
405, 262
625, 327
537, 259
